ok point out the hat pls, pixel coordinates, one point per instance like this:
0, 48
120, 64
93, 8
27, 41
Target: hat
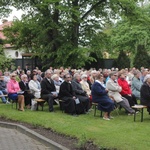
146, 77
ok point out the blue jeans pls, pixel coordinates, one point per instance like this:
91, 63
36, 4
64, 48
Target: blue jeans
3, 92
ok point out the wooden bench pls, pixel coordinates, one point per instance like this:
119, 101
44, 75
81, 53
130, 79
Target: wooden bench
3, 95
13, 101
40, 102
140, 107
61, 102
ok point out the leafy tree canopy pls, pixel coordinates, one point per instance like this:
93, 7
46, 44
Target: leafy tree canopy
128, 34
65, 31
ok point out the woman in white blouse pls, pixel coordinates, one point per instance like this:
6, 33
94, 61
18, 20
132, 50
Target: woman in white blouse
35, 86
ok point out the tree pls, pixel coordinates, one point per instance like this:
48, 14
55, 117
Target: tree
142, 59
123, 60
4, 61
129, 34
63, 31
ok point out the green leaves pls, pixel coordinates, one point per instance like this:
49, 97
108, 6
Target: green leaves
5, 62
67, 32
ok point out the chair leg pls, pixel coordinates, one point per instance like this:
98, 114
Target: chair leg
42, 105
37, 108
16, 104
94, 110
101, 115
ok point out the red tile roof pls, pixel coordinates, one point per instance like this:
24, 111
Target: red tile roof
2, 26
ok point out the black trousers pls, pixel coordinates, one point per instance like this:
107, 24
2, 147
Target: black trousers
50, 99
85, 102
69, 105
28, 97
131, 99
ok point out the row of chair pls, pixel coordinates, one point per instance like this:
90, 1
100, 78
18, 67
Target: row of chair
95, 105
140, 107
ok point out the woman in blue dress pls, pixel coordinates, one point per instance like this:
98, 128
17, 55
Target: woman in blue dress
100, 96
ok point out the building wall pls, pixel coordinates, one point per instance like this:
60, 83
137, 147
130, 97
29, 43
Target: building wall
14, 54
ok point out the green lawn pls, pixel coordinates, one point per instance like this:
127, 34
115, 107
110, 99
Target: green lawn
121, 132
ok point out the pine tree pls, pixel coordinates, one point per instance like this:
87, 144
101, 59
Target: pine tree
123, 61
142, 59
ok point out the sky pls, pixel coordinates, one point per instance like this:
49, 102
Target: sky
14, 13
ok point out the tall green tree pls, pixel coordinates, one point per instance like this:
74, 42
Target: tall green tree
123, 61
63, 31
142, 59
129, 34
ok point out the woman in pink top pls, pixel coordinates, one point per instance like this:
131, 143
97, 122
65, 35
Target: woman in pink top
13, 91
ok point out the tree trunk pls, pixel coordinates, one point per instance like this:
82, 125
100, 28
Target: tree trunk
75, 25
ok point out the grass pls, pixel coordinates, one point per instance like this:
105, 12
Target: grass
121, 132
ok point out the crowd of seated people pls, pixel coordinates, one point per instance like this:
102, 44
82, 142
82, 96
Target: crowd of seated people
76, 87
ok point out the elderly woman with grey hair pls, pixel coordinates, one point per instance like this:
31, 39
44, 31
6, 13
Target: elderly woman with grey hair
80, 93
84, 84
57, 83
136, 84
23, 84
145, 92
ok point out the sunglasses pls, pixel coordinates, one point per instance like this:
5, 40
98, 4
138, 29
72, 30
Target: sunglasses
68, 77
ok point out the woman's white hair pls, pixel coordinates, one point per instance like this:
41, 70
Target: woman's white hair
83, 76
24, 75
75, 75
54, 76
146, 77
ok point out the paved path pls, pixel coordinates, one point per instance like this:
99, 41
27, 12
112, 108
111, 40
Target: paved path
11, 139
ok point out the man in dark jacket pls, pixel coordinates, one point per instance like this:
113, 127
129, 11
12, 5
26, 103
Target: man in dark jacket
67, 94
48, 90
